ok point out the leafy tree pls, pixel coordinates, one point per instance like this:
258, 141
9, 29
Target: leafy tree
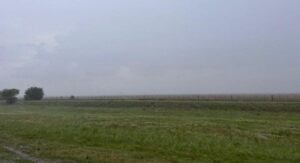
10, 95
34, 93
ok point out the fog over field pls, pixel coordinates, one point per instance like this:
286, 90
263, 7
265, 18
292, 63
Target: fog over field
96, 47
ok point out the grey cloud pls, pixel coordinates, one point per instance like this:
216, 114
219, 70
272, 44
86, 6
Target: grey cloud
150, 47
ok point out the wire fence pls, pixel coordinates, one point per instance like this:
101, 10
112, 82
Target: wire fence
235, 97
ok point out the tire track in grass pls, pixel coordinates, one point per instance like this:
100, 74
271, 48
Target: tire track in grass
24, 155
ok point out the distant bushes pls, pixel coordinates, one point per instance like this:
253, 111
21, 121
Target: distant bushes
9, 95
34, 93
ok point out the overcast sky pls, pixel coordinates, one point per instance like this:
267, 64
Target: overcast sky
96, 47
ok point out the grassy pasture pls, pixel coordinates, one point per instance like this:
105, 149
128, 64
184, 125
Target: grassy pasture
150, 131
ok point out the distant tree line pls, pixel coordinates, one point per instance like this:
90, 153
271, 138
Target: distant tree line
32, 93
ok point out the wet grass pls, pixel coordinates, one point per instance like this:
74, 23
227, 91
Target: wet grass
149, 131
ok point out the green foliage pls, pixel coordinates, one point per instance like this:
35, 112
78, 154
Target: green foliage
10, 95
34, 93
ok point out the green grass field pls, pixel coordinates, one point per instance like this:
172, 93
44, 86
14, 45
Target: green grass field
148, 131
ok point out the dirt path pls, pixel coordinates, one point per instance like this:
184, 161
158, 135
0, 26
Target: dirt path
24, 155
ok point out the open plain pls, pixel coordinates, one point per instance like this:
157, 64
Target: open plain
150, 131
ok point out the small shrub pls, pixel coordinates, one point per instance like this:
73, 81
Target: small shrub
11, 100
72, 97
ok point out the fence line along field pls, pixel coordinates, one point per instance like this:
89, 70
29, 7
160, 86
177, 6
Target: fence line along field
150, 131
201, 97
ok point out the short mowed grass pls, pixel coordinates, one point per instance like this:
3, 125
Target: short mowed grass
151, 131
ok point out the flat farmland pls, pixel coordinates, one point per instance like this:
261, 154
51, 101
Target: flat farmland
150, 131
